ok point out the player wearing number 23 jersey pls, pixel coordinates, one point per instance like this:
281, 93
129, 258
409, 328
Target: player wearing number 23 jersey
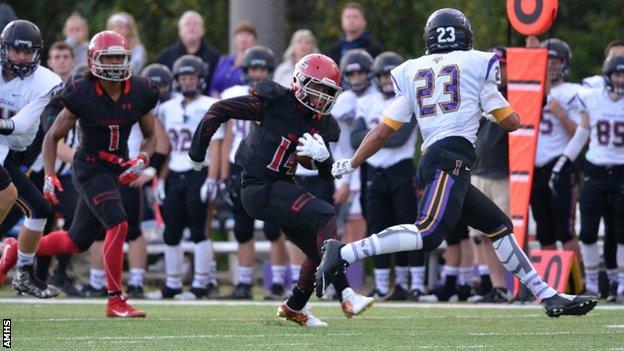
447, 89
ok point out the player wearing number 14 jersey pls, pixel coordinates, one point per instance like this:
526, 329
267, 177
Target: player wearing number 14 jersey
447, 89
282, 119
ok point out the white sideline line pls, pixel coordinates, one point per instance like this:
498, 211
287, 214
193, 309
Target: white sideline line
417, 305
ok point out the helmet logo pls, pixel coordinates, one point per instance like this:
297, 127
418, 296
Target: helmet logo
442, 31
27, 43
353, 67
258, 62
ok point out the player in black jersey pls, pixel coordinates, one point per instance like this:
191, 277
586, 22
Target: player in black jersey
283, 118
106, 104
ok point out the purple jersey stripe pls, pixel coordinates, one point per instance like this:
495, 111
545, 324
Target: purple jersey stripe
446, 191
491, 63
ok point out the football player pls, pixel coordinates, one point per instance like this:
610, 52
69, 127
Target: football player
614, 48
447, 89
552, 210
25, 90
390, 184
187, 192
602, 121
282, 119
100, 164
258, 65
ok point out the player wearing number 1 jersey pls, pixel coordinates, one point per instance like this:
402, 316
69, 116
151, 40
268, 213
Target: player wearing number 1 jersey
281, 119
447, 89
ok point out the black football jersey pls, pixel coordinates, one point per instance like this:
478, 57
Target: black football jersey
104, 124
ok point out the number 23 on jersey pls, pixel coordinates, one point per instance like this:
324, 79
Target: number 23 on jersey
427, 93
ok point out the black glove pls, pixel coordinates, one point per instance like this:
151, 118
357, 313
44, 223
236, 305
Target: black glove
559, 172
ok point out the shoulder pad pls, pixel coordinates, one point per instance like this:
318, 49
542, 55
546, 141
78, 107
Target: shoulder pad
331, 132
268, 89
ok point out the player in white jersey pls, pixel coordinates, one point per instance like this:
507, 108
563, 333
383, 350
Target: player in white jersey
187, 192
258, 65
552, 210
614, 48
447, 89
25, 90
390, 187
602, 121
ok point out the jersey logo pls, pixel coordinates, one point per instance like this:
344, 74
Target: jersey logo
458, 164
437, 59
126, 106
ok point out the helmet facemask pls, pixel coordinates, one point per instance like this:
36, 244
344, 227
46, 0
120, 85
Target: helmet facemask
317, 95
115, 72
385, 85
357, 81
20, 69
615, 82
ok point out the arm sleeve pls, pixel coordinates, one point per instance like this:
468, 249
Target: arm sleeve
30, 114
400, 137
247, 107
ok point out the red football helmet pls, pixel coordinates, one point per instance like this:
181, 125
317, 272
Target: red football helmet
316, 82
109, 43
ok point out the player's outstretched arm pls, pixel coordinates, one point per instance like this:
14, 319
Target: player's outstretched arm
242, 107
374, 141
146, 123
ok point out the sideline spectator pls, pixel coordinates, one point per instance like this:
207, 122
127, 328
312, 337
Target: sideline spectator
124, 24
355, 34
76, 31
302, 43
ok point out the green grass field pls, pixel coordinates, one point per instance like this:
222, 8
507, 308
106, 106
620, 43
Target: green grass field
215, 325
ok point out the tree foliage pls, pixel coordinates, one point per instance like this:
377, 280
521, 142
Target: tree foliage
587, 25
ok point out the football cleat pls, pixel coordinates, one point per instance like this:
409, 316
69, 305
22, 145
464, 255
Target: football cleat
117, 307
496, 295
276, 292
415, 294
441, 294
241, 292
398, 294
66, 284
331, 263
303, 317
164, 293
612, 294
464, 292
25, 282
572, 305
354, 303
377, 295
135, 292
89, 291
9, 258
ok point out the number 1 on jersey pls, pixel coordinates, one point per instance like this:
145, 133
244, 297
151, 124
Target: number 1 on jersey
450, 88
113, 144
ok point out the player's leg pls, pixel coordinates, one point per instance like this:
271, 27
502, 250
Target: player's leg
37, 211
617, 192
481, 213
278, 257
592, 202
452, 256
132, 199
609, 249
541, 207
562, 200
8, 193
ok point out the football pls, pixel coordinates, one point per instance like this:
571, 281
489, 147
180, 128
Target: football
306, 162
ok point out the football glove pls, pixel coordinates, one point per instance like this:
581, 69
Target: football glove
50, 183
342, 167
208, 191
559, 172
134, 168
313, 147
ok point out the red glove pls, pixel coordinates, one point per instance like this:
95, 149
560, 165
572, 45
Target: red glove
50, 183
135, 168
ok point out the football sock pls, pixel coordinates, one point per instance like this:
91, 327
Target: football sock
244, 275
483, 269
465, 275
97, 278
174, 257
515, 261
382, 280
418, 278
25, 259
403, 237
278, 274
62, 262
401, 276
57, 243
294, 272
136, 276
591, 279
613, 275
450, 274
203, 263
299, 298
112, 255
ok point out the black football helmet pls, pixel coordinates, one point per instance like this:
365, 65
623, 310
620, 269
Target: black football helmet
160, 75
22, 35
189, 64
611, 65
383, 64
447, 30
258, 56
558, 49
356, 60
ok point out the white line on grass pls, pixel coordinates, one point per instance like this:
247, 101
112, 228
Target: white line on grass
30, 301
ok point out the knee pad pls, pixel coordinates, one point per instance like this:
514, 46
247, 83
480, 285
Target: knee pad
172, 238
35, 224
243, 228
271, 231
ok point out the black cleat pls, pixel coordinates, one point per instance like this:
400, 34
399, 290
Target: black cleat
89, 291
570, 305
135, 292
213, 291
276, 292
398, 294
444, 293
377, 295
25, 282
331, 264
241, 292
496, 295
66, 283
612, 296
464, 292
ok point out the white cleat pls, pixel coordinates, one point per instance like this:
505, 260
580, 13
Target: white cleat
354, 304
303, 317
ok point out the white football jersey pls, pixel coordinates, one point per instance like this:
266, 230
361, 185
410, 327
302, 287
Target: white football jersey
606, 120
180, 123
240, 128
447, 92
371, 109
553, 138
23, 100
596, 81
135, 139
